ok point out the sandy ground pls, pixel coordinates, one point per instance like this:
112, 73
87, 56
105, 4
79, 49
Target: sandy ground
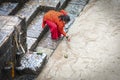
94, 49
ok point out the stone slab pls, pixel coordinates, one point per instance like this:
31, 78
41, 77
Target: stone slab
29, 10
4, 35
63, 4
79, 2
7, 21
33, 7
32, 63
7, 26
35, 28
49, 3
72, 19
76, 6
35, 43
30, 42
47, 42
74, 9
8, 8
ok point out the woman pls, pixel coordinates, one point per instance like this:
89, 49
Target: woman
56, 22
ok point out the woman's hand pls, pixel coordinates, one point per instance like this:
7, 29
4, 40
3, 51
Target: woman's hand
68, 38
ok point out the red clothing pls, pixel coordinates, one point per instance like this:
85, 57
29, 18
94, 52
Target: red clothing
55, 34
53, 17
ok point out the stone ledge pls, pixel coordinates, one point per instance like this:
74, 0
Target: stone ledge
33, 7
32, 63
35, 30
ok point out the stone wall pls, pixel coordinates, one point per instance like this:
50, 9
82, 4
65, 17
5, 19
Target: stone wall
12, 41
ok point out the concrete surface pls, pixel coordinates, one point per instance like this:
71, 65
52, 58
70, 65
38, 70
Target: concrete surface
94, 49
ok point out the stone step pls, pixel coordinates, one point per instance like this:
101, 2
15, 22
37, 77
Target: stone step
35, 31
76, 6
49, 4
32, 7
79, 2
47, 45
63, 3
9, 8
56, 4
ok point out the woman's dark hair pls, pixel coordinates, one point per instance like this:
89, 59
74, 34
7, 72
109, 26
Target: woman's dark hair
65, 18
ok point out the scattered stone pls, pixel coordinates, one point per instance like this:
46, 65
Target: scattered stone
65, 55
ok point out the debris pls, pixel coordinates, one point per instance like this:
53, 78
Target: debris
65, 56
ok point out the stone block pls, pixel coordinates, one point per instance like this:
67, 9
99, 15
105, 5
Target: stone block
79, 2
35, 28
74, 9
29, 10
47, 42
9, 8
32, 63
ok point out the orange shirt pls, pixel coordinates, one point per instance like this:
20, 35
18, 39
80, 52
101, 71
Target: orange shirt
53, 16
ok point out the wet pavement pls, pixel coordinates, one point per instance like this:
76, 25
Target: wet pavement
93, 52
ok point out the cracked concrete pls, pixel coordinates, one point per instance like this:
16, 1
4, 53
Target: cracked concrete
94, 49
